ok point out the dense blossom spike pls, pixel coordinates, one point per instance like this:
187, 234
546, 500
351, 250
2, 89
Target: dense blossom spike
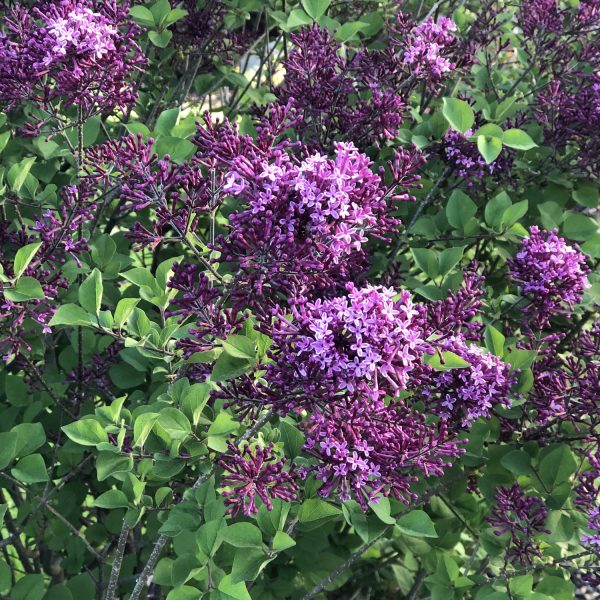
366, 341
367, 451
75, 52
552, 273
307, 222
465, 394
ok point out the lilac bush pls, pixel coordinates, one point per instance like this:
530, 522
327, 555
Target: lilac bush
299, 299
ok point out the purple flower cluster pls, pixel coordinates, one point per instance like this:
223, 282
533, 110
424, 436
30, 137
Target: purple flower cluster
566, 385
309, 217
350, 95
522, 517
465, 394
178, 194
372, 450
73, 51
568, 114
301, 219
358, 94
540, 18
366, 341
550, 272
250, 473
427, 49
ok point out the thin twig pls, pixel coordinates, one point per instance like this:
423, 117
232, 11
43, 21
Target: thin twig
115, 571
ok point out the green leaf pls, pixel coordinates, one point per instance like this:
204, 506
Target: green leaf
23, 257
417, 523
314, 509
520, 359
494, 340
70, 314
517, 139
4, 137
517, 462
460, 209
282, 541
239, 346
243, 535
315, 8
123, 310
18, 173
109, 463
247, 564
86, 432
103, 250
382, 509
298, 18
142, 16
292, 438
223, 425
447, 360
555, 587
579, 227
449, 258
141, 277
167, 121
30, 436
489, 148
209, 536
176, 14
495, 208
233, 591
5, 578
143, 426
195, 400
26, 288
513, 213
90, 292
586, 194
557, 466
349, 30
162, 39
112, 499
175, 423
458, 113
227, 367
8, 448
183, 592
427, 261
30, 469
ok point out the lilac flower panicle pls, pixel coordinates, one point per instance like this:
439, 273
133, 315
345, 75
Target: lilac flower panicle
364, 341
427, 48
251, 473
566, 384
367, 451
552, 273
522, 517
306, 223
468, 393
352, 96
73, 51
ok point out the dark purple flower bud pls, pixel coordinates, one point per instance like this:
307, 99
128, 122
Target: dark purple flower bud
250, 473
522, 517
